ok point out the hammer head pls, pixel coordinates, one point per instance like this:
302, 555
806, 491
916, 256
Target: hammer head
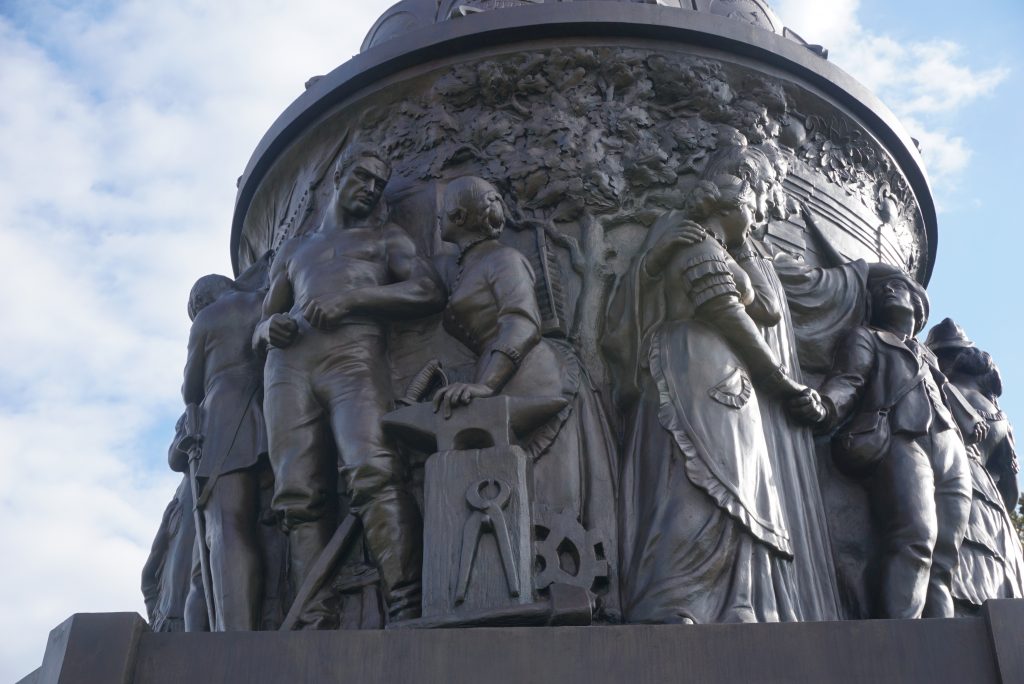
491, 422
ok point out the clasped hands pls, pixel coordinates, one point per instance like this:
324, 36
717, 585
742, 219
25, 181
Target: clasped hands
808, 407
280, 331
803, 403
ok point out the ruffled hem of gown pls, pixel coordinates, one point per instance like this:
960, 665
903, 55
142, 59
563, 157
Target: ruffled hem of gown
544, 436
698, 471
991, 561
982, 576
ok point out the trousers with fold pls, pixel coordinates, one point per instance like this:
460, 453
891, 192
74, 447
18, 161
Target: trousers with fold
324, 400
921, 501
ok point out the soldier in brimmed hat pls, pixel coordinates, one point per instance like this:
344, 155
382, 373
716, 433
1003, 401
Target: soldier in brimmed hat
947, 340
977, 376
991, 560
885, 393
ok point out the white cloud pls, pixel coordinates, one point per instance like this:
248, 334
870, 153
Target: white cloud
945, 155
924, 82
824, 23
937, 84
125, 126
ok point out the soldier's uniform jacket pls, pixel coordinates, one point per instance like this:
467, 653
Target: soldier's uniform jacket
872, 367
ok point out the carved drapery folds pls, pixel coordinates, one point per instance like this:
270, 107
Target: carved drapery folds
598, 389
593, 144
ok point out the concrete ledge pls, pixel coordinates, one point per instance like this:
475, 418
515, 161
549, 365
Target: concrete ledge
984, 650
1006, 630
955, 651
91, 648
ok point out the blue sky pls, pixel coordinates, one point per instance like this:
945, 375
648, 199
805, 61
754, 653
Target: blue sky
954, 76
123, 126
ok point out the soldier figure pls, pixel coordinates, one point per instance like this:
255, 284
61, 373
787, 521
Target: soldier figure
167, 579
976, 375
224, 377
885, 392
328, 383
991, 560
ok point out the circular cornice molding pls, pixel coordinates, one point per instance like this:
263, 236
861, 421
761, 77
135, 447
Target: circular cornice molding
593, 19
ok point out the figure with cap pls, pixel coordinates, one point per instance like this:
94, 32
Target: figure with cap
991, 561
946, 340
896, 432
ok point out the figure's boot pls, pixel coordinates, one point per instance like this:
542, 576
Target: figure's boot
902, 495
306, 541
393, 530
953, 511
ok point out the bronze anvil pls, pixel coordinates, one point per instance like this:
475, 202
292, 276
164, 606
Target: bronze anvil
477, 528
491, 422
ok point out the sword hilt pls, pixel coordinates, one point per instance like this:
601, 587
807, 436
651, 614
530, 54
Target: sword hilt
420, 384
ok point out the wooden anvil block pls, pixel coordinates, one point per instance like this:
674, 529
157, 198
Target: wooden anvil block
477, 536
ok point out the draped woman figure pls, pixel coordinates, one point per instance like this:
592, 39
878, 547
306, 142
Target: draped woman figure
492, 310
704, 535
810, 309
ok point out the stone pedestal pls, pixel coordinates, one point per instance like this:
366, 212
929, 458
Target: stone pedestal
100, 649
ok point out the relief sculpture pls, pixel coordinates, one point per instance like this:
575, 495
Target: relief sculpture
582, 334
991, 561
897, 432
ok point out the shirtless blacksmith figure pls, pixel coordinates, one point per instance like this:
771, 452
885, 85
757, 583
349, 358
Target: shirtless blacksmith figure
328, 383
